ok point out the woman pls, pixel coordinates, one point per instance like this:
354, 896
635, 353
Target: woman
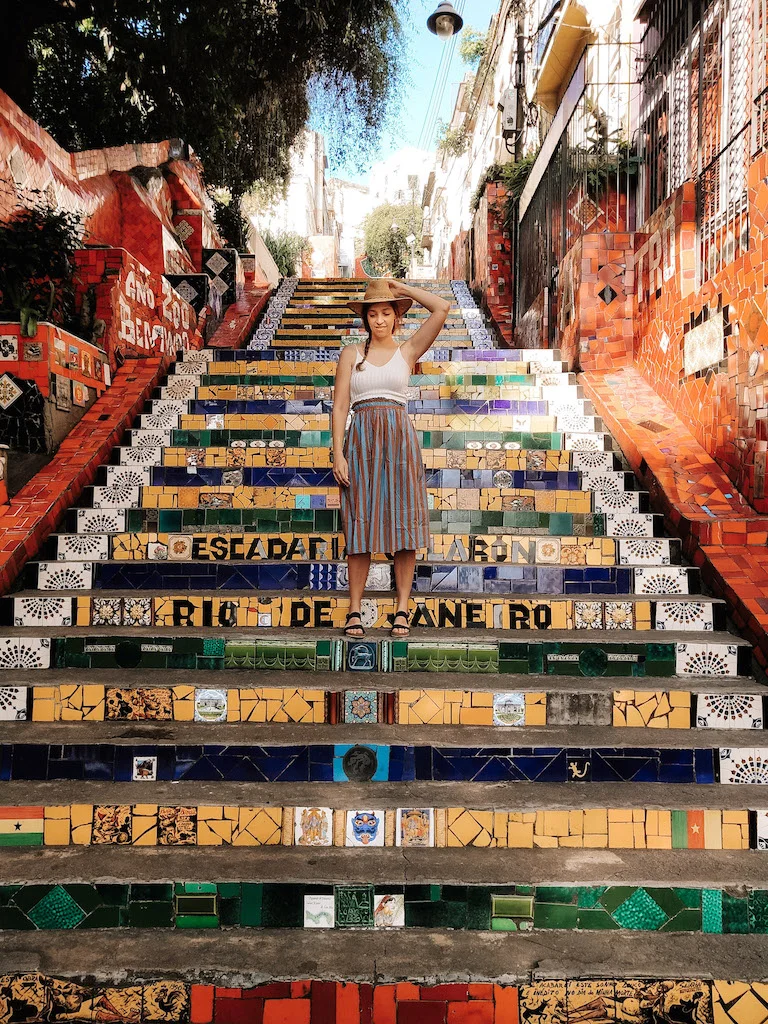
380, 469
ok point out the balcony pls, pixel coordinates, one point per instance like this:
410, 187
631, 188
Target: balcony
561, 39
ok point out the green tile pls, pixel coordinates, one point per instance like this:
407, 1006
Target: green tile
13, 919
556, 893
103, 917
615, 895
592, 919
150, 915
640, 912
503, 924
735, 914
684, 921
554, 915
667, 899
512, 906
758, 911
197, 921
57, 909
712, 911
589, 895
679, 830
144, 892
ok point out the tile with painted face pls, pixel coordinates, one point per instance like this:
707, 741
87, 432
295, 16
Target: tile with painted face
313, 826
365, 828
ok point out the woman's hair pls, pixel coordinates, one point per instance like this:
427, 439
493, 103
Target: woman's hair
395, 329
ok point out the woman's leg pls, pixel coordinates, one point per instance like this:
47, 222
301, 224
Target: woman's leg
405, 563
358, 566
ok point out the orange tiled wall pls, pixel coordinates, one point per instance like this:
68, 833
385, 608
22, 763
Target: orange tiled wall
724, 405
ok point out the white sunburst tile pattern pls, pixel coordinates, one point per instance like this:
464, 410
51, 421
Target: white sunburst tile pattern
741, 766
729, 711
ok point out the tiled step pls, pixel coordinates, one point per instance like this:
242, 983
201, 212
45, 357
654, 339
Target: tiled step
327, 521
617, 483
361, 761
562, 652
499, 500
563, 552
257, 454
464, 440
524, 580
455, 703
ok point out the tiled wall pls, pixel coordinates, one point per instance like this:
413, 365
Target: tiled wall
25, 997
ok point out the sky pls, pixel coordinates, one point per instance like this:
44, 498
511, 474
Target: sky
423, 58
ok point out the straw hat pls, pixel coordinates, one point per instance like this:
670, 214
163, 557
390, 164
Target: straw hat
378, 290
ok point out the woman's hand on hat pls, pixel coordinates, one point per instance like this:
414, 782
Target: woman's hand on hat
398, 289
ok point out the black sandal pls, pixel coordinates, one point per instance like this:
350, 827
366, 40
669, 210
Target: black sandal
405, 630
349, 626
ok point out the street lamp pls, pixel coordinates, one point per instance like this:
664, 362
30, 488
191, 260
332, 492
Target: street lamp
445, 21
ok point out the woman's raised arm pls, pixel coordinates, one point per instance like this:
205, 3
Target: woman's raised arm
438, 308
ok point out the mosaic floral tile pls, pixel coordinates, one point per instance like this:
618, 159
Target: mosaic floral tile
361, 706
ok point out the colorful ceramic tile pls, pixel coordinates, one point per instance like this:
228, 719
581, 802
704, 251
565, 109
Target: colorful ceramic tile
211, 705
415, 827
744, 765
144, 769
389, 910
364, 828
361, 706
509, 709
313, 826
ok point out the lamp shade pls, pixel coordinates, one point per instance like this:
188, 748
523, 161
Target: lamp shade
445, 21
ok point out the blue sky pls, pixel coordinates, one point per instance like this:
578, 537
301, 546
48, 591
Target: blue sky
423, 58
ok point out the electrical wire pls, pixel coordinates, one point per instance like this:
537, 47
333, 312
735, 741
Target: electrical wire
427, 135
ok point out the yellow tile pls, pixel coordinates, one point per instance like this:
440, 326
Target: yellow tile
620, 836
555, 823
544, 842
680, 718
638, 832
713, 831
576, 842
475, 716
575, 823
619, 814
56, 833
619, 718
658, 842
747, 1010
665, 823
680, 699
596, 821
43, 710
595, 842
735, 817
520, 834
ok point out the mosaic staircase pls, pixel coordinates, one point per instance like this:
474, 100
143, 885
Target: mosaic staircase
176, 677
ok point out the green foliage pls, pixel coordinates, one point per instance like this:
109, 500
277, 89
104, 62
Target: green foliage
472, 46
513, 177
286, 248
387, 249
36, 266
234, 80
453, 141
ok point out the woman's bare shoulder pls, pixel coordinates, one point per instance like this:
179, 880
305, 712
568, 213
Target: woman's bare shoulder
349, 354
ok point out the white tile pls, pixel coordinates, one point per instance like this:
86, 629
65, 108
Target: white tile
150, 438
313, 826
616, 501
762, 829
706, 659
141, 455
128, 476
583, 441
685, 615
42, 611
211, 705
729, 711
644, 551
744, 766
79, 547
364, 828
64, 575
593, 462
116, 497
26, 653
509, 709
90, 520
144, 769
13, 703
319, 911
164, 420
629, 524
668, 579
389, 910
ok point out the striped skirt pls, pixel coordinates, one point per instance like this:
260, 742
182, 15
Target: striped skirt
384, 509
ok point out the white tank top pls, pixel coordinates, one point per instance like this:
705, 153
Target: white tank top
388, 381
